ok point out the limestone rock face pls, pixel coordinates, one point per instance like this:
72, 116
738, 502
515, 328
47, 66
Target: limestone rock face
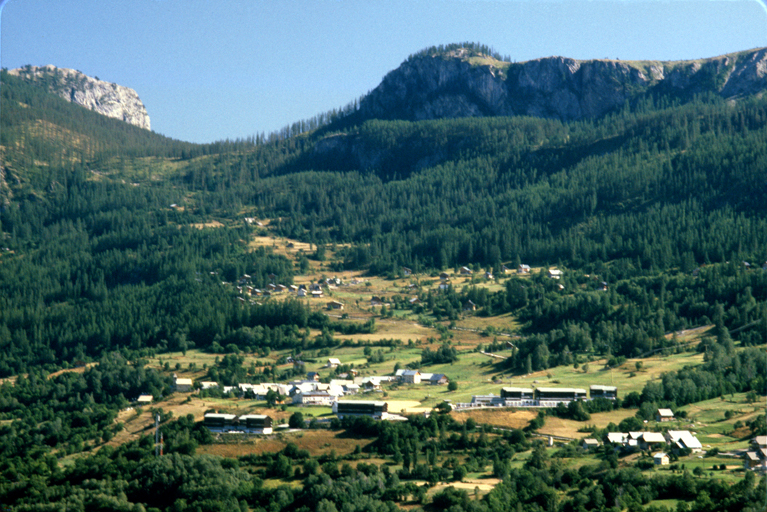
451, 85
106, 98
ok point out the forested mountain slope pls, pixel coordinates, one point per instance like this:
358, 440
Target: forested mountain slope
98, 258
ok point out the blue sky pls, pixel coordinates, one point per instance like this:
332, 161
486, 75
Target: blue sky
214, 69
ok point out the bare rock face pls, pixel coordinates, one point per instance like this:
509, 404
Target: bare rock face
106, 98
451, 85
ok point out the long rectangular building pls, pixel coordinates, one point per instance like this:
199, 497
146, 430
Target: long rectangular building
248, 424
551, 397
220, 422
375, 409
609, 392
517, 393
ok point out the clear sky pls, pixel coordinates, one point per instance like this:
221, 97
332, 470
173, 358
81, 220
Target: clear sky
214, 69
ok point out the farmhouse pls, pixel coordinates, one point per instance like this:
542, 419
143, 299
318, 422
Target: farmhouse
182, 385
255, 424
411, 376
333, 363
334, 304
684, 439
650, 440
664, 415
590, 444
144, 399
375, 409
406, 271
466, 271
609, 392
313, 376
660, 459
469, 306
523, 269
313, 398
617, 438
555, 273
438, 379
751, 460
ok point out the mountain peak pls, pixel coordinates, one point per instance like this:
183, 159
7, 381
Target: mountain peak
111, 100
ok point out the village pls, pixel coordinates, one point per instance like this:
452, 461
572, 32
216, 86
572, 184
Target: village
349, 382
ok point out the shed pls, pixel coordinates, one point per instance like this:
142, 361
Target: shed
664, 415
590, 443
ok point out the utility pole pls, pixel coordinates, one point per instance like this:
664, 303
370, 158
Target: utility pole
157, 436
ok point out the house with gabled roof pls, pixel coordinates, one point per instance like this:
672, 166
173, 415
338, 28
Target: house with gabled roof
144, 399
182, 384
411, 376
438, 379
664, 415
650, 440
684, 439
590, 443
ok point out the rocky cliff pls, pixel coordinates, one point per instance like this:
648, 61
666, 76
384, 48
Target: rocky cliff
463, 83
106, 98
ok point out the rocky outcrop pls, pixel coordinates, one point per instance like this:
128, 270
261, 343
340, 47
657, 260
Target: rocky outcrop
106, 98
451, 85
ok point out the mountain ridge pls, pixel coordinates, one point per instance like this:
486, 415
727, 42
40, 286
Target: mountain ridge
106, 98
463, 82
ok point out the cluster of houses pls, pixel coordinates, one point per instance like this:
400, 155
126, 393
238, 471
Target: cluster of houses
540, 397
660, 443
311, 391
